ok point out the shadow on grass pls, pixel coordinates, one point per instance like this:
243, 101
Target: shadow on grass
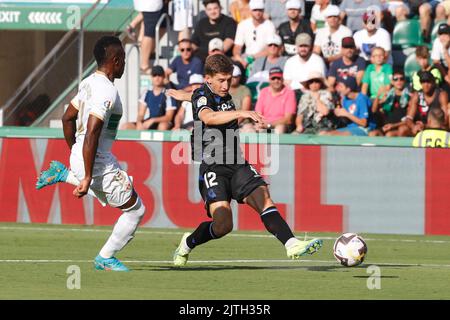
234, 267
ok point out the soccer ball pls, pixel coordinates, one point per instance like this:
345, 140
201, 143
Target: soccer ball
350, 249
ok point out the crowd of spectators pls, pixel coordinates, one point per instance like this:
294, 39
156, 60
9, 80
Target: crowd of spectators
328, 71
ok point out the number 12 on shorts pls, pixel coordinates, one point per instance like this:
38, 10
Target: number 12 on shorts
210, 179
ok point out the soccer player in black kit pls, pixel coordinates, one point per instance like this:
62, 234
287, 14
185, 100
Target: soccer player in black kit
224, 173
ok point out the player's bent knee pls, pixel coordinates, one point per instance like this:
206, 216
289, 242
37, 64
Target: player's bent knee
138, 209
223, 228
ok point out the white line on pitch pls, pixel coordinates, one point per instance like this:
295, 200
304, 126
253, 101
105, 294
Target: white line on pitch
230, 235
153, 262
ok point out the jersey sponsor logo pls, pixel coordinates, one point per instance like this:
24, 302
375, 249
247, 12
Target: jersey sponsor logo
202, 101
226, 106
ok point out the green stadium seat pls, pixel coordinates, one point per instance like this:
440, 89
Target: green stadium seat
411, 66
435, 30
407, 34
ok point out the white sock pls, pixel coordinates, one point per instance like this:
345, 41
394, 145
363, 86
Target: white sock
124, 230
292, 241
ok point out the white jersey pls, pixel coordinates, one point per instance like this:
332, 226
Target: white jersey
97, 96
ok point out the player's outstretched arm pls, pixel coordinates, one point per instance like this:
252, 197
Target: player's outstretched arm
90, 145
69, 125
210, 117
179, 95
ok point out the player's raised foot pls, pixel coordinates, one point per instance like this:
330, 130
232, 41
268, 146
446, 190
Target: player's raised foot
301, 248
57, 172
110, 264
181, 255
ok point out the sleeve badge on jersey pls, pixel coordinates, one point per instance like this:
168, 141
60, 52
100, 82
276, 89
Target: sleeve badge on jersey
202, 101
107, 104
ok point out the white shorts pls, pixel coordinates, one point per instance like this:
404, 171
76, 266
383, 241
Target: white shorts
114, 187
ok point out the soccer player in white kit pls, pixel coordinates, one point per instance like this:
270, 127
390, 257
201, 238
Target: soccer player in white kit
90, 126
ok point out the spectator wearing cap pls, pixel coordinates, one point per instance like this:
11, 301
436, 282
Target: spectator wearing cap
372, 36
214, 25
329, 38
377, 77
354, 10
240, 10
185, 64
353, 116
440, 53
289, 30
184, 119
215, 46
159, 106
314, 107
318, 14
349, 65
423, 60
430, 97
276, 10
276, 103
252, 33
273, 58
298, 67
390, 109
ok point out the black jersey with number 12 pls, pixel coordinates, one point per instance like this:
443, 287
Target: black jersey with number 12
214, 144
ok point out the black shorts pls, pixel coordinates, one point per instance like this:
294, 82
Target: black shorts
150, 21
224, 182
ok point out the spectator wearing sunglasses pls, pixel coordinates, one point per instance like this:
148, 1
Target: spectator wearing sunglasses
314, 107
273, 58
390, 109
276, 103
185, 64
252, 34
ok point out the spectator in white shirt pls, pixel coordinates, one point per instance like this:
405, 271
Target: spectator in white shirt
298, 67
318, 14
252, 33
440, 54
372, 36
329, 38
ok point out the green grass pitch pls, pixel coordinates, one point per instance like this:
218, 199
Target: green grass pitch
34, 260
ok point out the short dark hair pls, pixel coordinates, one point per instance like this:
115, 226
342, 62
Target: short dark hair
398, 71
437, 114
185, 40
101, 47
422, 52
206, 2
218, 63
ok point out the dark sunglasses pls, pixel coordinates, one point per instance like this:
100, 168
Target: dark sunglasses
275, 78
186, 49
398, 78
273, 45
315, 81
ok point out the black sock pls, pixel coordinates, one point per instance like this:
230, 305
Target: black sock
276, 225
202, 234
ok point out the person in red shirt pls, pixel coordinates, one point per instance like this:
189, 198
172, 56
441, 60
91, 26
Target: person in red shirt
276, 103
